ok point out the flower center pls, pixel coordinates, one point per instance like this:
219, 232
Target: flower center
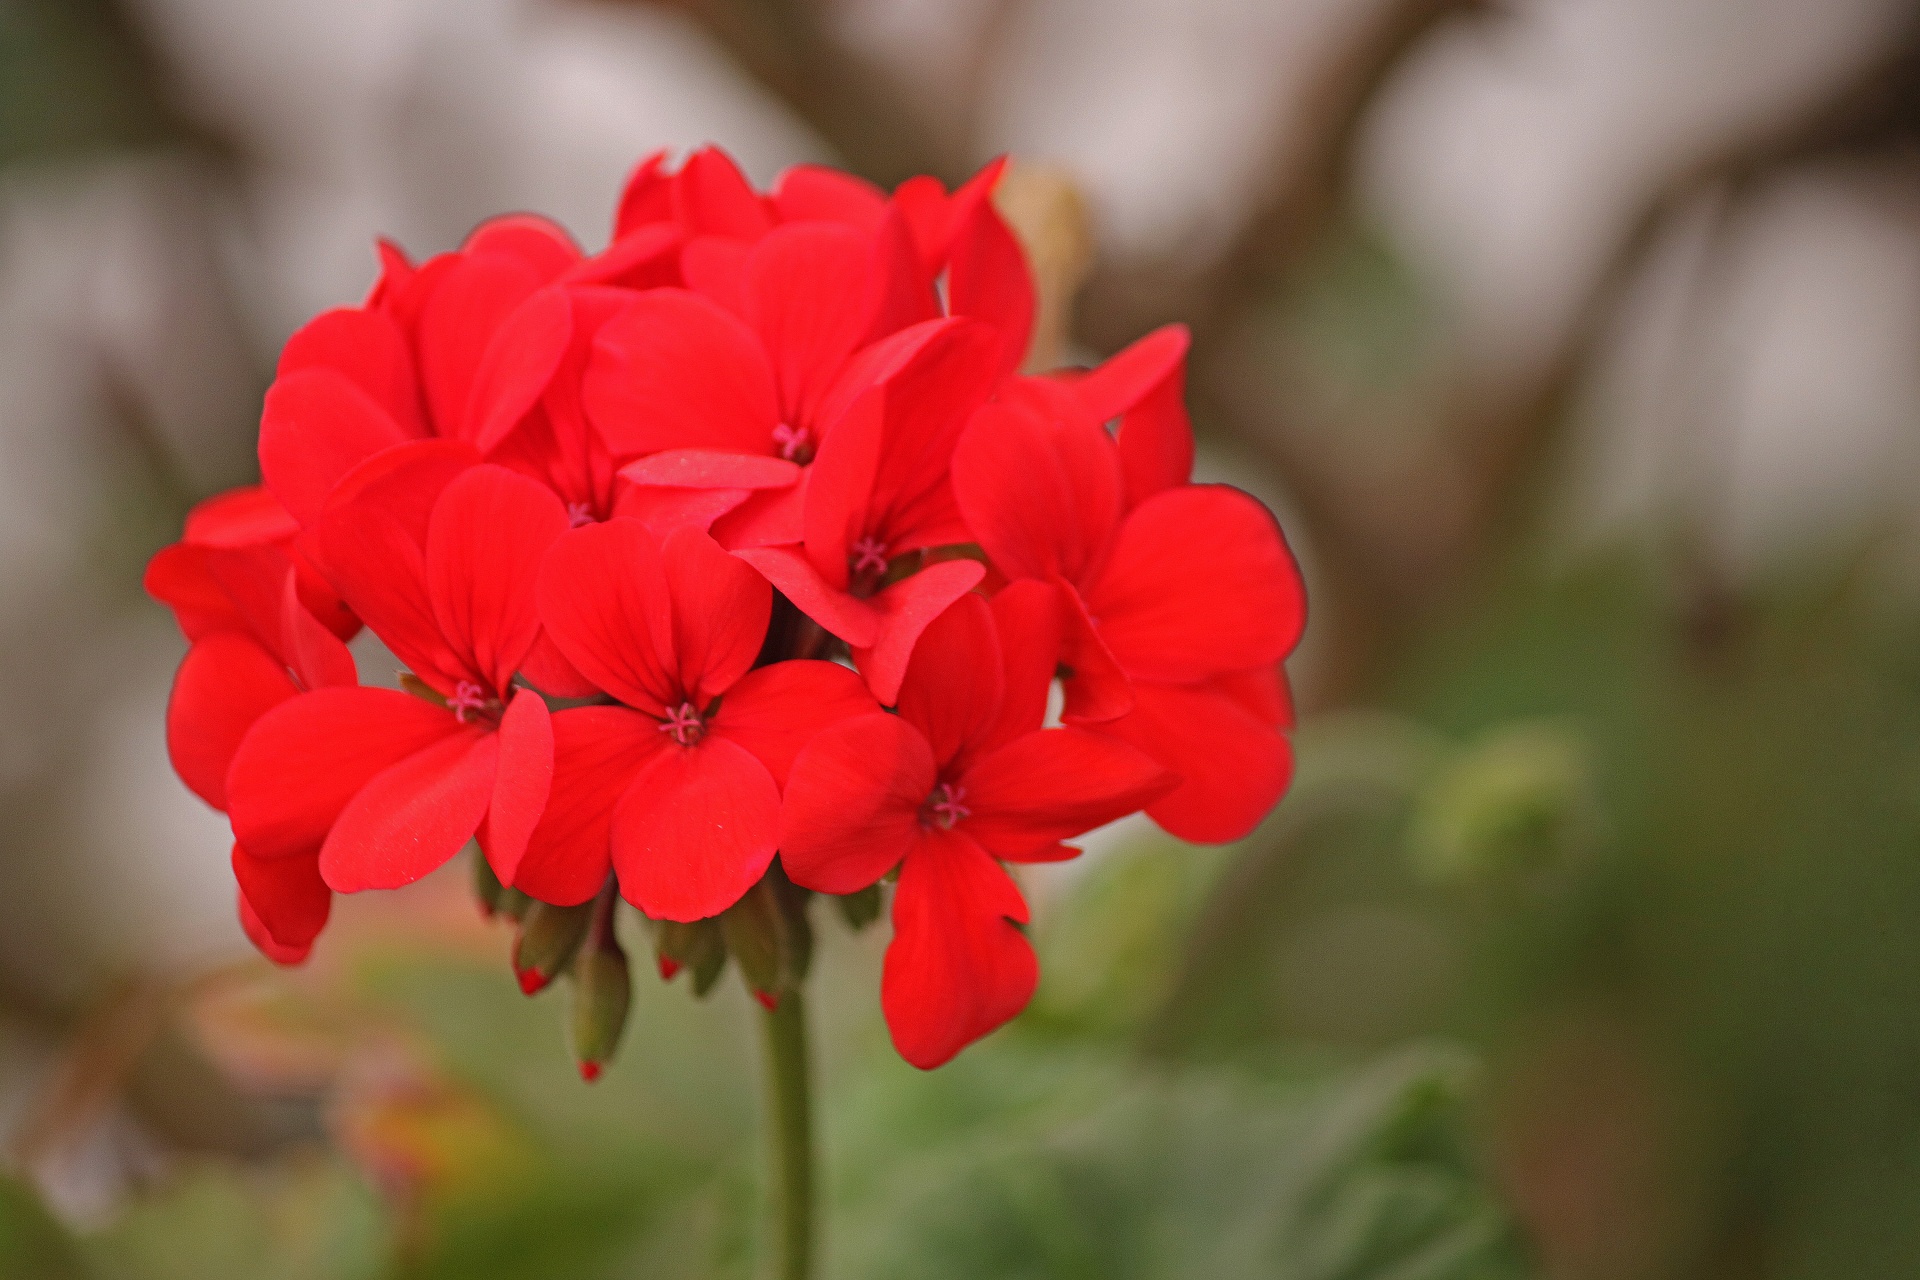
468, 699
869, 555
685, 724
795, 443
946, 806
579, 513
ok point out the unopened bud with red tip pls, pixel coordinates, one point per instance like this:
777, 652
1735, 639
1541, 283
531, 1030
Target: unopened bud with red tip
602, 989
767, 934
699, 946
549, 937
486, 886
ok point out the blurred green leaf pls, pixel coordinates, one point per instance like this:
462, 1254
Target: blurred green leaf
32, 1243
1145, 1174
307, 1220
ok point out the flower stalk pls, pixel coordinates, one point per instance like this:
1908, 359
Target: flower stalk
789, 1114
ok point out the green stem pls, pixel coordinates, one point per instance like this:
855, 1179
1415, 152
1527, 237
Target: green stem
790, 1128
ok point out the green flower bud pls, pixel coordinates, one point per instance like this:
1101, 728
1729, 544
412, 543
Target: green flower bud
700, 946
860, 909
549, 937
602, 989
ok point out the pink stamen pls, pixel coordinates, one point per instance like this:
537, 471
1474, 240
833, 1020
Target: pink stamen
685, 724
946, 806
579, 513
467, 696
792, 440
869, 554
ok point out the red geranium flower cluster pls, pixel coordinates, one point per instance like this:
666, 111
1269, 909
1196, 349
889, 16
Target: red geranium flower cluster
744, 538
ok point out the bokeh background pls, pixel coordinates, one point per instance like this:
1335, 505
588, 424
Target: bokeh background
1577, 343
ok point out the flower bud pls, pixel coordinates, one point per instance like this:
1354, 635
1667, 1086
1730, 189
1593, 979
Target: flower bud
602, 988
699, 946
859, 909
548, 939
767, 933
486, 886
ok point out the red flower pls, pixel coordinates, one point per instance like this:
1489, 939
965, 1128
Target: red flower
962, 776
1165, 587
877, 496
677, 789
252, 606
439, 557
466, 347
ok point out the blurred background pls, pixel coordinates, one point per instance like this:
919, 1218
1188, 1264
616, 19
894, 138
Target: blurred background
1577, 343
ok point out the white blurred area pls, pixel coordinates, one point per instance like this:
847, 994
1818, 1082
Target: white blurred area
1506, 159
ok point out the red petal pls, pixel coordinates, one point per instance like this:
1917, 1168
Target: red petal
547, 670
520, 360
367, 348
225, 683
1200, 582
695, 830
370, 537
954, 681
303, 760
808, 294
647, 197
794, 576
521, 782
457, 326
1233, 768
1145, 387
1054, 784
988, 278
489, 534
1042, 496
852, 808
640, 259
542, 246
245, 517
710, 469
720, 612
1264, 691
287, 897
839, 484
815, 193
413, 816
775, 711
316, 426
177, 577
958, 966
712, 196
665, 510
597, 751
675, 371
316, 655
932, 393
604, 601
900, 289
716, 268
768, 518
1027, 615
1095, 686
906, 608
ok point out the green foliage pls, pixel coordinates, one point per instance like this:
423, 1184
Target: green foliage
32, 1243
308, 1220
